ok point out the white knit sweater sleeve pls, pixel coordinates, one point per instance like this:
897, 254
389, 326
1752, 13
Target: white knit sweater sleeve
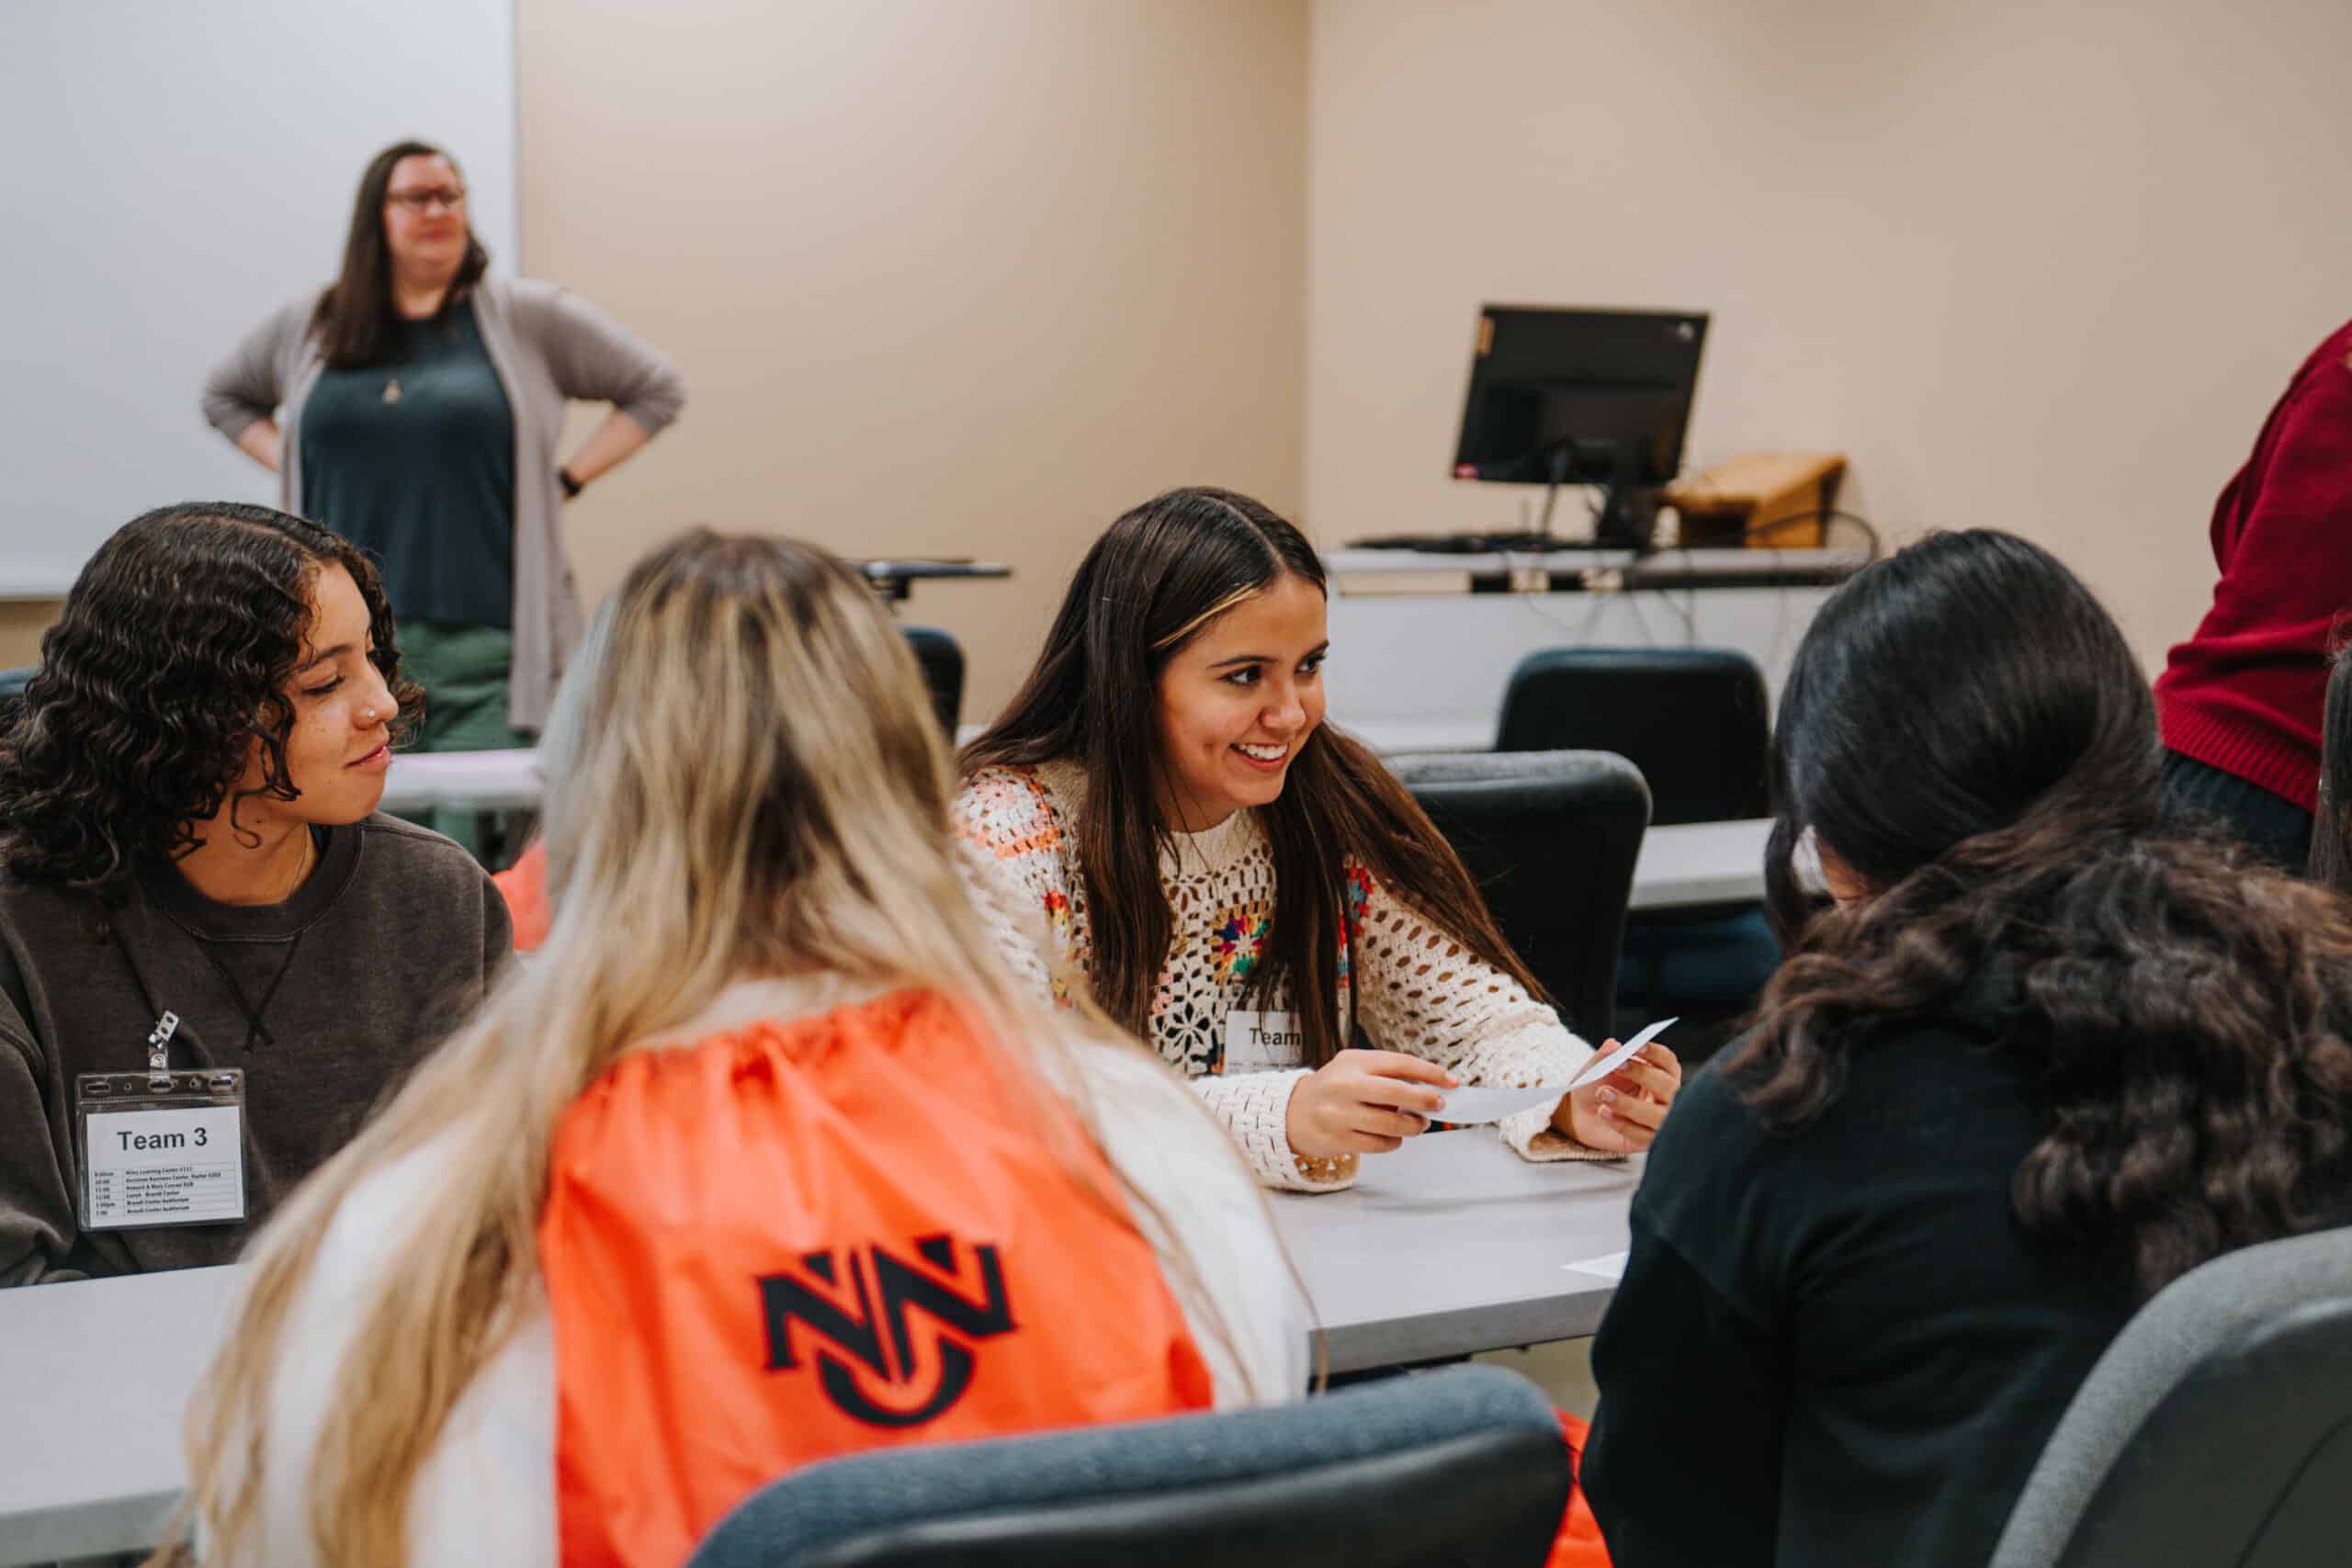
1015, 877
1255, 1108
1420, 991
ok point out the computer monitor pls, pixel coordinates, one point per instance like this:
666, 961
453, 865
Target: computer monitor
1582, 397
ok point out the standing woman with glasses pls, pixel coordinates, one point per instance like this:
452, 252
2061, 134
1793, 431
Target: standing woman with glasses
422, 402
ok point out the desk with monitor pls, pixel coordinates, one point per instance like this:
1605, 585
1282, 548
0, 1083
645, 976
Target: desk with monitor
1426, 628
1419, 664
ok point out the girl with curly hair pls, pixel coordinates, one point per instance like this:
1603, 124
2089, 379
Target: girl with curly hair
1162, 806
2037, 1061
189, 827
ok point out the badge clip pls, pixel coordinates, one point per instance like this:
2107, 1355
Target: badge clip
159, 1053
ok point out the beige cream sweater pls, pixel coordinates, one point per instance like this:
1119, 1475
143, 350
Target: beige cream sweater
1410, 985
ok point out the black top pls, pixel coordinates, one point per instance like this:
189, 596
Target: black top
413, 461
388, 945
1836, 1346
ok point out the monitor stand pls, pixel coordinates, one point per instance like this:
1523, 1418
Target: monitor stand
1628, 515
1628, 519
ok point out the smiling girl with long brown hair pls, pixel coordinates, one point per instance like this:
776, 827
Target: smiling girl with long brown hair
1245, 887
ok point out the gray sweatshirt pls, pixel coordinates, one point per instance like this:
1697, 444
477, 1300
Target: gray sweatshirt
387, 947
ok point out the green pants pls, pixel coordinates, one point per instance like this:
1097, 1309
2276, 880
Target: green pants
463, 671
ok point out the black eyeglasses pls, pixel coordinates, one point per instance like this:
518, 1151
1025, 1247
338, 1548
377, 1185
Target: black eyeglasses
451, 197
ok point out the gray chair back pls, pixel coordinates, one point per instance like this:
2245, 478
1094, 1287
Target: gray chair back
1550, 837
1694, 720
2217, 1429
1459, 1467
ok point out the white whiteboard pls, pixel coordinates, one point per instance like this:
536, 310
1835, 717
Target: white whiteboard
175, 169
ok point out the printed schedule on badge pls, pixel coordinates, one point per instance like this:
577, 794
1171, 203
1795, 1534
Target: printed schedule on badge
182, 1171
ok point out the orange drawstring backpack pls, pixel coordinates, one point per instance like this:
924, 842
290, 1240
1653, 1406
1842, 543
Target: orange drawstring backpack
524, 886
794, 1240
1578, 1544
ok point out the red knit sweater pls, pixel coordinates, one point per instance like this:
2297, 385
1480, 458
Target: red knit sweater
2244, 694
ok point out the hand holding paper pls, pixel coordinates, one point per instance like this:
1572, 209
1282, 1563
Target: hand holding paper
1602, 1066
1363, 1102
1465, 1107
1616, 1105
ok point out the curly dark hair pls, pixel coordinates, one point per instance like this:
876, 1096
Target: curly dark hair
1966, 732
168, 665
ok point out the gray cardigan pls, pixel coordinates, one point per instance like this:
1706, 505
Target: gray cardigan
547, 344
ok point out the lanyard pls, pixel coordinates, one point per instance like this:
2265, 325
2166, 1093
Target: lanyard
254, 1028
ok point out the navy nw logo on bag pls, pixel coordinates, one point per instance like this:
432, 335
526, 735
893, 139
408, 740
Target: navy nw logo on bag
883, 1343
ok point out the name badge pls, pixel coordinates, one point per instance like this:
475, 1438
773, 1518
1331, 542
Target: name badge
162, 1151
1264, 1042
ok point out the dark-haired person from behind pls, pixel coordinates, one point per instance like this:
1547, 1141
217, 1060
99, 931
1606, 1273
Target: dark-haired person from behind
191, 864
2037, 1061
422, 402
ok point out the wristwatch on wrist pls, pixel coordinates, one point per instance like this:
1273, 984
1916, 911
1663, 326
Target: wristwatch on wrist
571, 487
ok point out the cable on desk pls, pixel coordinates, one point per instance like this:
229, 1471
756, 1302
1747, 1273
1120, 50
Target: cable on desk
1830, 516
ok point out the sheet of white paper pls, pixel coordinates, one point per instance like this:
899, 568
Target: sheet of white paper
1602, 1066
1464, 1106
1609, 1268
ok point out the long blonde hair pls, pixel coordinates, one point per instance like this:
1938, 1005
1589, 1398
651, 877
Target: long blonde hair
743, 778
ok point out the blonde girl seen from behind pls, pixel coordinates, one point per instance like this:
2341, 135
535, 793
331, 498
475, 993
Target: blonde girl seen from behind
746, 826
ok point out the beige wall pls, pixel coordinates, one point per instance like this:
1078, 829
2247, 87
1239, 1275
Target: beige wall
965, 279
21, 623
2040, 264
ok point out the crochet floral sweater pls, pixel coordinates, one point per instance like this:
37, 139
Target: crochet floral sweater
1412, 987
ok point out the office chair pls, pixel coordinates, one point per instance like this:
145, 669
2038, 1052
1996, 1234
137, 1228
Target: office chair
1696, 722
2216, 1430
1459, 1467
942, 659
1550, 837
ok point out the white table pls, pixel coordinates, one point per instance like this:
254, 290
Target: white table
1653, 568
1704, 863
1701, 862
97, 1375
1450, 1245
1418, 663
1453, 1245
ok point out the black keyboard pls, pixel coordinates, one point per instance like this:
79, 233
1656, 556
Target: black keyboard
1474, 544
